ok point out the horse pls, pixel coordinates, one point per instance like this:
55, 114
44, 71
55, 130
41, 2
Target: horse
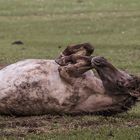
67, 85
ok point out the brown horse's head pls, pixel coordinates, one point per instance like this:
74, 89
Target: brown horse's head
114, 80
123, 88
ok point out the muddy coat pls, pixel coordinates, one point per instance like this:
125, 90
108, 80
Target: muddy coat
35, 87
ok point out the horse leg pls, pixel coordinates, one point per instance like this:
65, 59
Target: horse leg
72, 71
85, 49
78, 50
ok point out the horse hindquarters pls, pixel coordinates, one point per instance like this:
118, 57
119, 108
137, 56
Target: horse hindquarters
33, 87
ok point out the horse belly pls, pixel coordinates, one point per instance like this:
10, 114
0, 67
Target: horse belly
31, 87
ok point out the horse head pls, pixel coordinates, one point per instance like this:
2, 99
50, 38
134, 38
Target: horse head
121, 86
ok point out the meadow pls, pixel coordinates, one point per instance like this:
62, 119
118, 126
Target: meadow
46, 27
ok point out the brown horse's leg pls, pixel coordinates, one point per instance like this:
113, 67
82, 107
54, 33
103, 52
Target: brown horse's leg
78, 50
85, 49
74, 61
72, 71
64, 60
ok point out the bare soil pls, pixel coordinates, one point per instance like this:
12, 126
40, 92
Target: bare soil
22, 126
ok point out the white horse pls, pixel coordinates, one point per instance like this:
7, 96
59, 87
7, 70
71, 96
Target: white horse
37, 86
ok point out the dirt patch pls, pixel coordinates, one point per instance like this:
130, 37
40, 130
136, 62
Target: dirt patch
22, 126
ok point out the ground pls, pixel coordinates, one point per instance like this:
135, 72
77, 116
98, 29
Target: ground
42, 29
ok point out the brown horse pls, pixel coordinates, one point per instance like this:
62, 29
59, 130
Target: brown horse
36, 87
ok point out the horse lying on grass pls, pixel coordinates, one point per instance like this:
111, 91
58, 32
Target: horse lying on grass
67, 85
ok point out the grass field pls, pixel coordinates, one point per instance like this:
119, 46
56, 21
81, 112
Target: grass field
46, 27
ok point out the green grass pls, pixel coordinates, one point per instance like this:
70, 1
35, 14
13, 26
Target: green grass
105, 133
112, 26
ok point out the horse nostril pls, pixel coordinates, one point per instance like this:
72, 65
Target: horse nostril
95, 61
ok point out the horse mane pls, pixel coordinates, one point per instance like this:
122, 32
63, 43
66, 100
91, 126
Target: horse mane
132, 93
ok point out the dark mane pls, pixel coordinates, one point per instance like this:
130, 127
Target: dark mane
124, 106
131, 92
